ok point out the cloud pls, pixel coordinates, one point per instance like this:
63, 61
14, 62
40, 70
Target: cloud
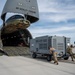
59, 31
57, 10
55, 5
55, 17
41, 30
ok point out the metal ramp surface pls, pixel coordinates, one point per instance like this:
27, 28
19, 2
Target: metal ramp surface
16, 51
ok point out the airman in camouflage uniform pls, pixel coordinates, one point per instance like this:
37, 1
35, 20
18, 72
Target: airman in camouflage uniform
54, 53
69, 50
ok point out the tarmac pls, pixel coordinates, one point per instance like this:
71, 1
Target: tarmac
19, 65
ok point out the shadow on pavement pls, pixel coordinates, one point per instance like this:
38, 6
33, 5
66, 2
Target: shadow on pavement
44, 59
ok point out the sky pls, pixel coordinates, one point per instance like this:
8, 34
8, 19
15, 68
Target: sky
56, 17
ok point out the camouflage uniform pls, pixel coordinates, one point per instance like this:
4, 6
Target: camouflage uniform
54, 53
69, 50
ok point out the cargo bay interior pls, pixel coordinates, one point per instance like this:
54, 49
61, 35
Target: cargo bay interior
15, 32
16, 38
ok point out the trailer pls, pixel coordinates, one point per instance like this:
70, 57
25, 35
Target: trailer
41, 45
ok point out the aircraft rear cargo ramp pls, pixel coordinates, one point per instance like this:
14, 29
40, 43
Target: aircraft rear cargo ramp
16, 51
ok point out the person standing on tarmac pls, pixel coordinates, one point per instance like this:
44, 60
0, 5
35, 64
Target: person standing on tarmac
54, 53
69, 51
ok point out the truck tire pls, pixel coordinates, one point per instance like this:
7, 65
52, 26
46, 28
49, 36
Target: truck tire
66, 58
34, 55
49, 58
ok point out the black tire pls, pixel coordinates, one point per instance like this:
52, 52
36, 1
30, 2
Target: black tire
49, 58
66, 58
34, 55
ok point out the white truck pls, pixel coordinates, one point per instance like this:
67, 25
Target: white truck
41, 45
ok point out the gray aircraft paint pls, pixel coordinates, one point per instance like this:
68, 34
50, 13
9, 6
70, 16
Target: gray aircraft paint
26, 7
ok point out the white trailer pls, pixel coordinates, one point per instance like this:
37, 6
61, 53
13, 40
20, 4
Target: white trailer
41, 45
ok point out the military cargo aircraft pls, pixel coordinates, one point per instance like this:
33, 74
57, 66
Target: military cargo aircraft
14, 30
